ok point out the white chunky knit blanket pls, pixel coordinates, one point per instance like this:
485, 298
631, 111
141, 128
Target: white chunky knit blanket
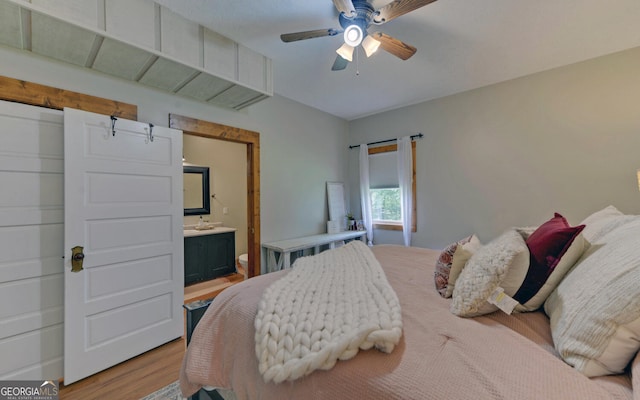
325, 309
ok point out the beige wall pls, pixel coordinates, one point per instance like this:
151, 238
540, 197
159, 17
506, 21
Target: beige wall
511, 154
227, 162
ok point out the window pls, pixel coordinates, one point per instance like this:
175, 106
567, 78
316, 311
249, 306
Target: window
384, 188
385, 204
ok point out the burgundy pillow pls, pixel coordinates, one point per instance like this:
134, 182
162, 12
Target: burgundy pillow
547, 245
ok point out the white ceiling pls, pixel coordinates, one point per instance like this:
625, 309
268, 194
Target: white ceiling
462, 45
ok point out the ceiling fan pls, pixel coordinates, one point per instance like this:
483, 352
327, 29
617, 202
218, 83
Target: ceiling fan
355, 18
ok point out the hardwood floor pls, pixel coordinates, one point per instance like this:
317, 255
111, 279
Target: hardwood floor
148, 372
132, 379
207, 290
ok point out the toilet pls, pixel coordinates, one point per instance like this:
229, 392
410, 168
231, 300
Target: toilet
244, 262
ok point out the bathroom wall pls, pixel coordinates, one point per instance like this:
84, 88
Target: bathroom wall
227, 162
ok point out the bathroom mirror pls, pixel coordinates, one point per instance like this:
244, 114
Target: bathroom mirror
196, 190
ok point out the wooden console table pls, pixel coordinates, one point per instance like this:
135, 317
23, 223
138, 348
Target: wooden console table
285, 247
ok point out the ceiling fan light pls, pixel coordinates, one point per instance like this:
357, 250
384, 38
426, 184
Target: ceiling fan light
353, 35
370, 45
345, 51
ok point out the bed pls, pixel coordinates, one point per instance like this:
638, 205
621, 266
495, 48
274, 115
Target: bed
440, 355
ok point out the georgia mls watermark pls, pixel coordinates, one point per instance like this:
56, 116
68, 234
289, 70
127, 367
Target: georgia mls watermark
29, 390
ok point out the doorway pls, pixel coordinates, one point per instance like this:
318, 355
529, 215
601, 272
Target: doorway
227, 183
251, 140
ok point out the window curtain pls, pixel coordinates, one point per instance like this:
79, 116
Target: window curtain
405, 179
365, 198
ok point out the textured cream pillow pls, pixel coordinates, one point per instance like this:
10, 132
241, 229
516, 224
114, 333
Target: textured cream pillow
595, 310
502, 262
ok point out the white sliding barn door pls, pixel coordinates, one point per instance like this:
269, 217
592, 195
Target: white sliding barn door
123, 205
31, 245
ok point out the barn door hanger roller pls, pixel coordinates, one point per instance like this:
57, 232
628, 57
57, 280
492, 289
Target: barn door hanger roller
113, 128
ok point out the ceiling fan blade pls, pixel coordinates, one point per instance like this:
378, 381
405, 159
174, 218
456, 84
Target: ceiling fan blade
292, 37
394, 46
397, 8
346, 7
339, 64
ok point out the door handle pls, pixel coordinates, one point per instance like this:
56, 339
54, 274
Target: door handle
77, 256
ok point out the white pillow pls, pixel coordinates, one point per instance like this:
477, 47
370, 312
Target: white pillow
595, 310
602, 222
502, 262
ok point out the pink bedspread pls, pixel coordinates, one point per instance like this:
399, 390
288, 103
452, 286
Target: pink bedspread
440, 356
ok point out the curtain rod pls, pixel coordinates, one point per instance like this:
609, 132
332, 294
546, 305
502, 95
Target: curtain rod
419, 135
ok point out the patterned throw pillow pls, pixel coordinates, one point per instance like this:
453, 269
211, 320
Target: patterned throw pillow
451, 262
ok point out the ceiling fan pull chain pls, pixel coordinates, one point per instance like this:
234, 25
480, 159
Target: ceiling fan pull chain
357, 61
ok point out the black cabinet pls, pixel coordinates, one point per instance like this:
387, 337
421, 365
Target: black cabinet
209, 256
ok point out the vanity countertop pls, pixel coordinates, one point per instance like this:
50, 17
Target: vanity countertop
214, 231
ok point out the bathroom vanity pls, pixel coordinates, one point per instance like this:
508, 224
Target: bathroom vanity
208, 254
